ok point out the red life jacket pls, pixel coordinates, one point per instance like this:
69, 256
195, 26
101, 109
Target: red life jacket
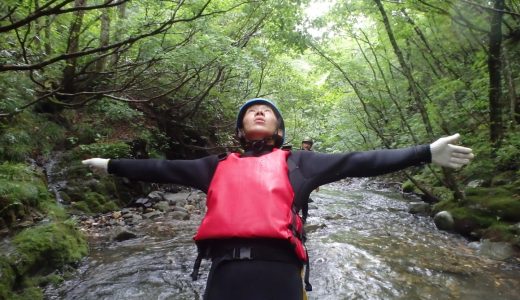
252, 197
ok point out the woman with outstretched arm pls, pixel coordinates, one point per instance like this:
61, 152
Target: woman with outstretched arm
252, 230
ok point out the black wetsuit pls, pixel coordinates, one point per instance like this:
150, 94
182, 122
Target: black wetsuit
260, 279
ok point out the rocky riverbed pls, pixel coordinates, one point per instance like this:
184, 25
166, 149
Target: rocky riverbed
158, 213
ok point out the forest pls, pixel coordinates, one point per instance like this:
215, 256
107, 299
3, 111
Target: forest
164, 79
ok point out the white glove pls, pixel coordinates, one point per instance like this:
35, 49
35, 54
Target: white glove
97, 164
445, 154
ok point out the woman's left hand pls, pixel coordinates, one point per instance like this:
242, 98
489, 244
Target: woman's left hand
445, 154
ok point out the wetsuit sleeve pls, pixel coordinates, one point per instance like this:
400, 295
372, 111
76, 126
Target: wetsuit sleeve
195, 173
321, 168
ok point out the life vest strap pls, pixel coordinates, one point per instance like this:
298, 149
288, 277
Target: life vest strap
256, 253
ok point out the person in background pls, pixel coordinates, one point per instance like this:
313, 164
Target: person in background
307, 144
252, 230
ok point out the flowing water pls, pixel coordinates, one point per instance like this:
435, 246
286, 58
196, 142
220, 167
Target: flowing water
364, 245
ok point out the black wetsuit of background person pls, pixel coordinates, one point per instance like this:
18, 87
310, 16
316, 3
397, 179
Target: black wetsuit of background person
265, 278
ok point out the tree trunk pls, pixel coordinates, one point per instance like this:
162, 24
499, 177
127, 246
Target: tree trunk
406, 71
73, 46
118, 31
47, 42
449, 179
104, 38
494, 67
511, 88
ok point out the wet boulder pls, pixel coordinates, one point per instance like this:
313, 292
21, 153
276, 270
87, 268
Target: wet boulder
177, 199
179, 215
419, 208
163, 206
123, 234
496, 250
444, 220
155, 196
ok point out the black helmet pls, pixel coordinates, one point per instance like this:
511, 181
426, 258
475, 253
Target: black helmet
242, 111
308, 140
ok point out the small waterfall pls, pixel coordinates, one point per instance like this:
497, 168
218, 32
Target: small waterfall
55, 180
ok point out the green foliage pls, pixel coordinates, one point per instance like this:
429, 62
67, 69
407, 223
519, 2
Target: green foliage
443, 193
28, 135
115, 111
408, 187
500, 232
345, 88
7, 277
21, 187
444, 204
508, 155
31, 293
101, 149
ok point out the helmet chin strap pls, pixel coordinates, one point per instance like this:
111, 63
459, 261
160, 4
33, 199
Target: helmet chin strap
263, 144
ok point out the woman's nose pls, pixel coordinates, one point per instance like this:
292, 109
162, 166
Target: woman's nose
259, 112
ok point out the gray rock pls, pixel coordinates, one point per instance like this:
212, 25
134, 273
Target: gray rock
443, 220
156, 196
153, 215
181, 209
128, 215
190, 208
163, 206
178, 199
141, 201
179, 215
136, 217
475, 183
496, 250
419, 208
313, 227
334, 217
123, 234
515, 228
474, 245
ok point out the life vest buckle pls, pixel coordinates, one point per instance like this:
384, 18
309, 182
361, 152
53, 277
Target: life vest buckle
242, 253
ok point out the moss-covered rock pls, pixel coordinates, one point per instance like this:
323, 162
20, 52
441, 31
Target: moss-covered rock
21, 187
498, 202
95, 203
39, 251
7, 277
48, 246
470, 222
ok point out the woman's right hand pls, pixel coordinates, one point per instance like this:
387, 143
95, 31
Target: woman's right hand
97, 164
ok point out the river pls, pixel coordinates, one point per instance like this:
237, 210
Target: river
364, 245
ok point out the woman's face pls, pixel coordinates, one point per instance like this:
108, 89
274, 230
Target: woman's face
259, 122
